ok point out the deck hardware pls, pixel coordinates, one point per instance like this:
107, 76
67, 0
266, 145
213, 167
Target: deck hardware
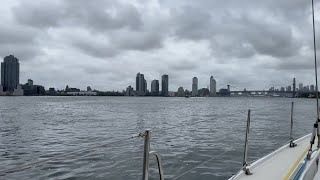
146, 157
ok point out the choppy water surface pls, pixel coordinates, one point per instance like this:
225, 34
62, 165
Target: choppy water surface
186, 132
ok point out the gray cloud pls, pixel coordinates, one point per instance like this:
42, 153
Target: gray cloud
105, 43
185, 65
240, 34
137, 40
19, 40
38, 14
94, 47
99, 15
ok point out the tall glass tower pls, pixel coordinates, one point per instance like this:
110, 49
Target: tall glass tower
10, 68
165, 85
213, 88
155, 87
194, 86
141, 85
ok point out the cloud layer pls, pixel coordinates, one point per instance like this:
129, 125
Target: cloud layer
104, 43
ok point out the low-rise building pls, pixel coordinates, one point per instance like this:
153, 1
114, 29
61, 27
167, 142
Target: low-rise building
52, 92
18, 91
204, 92
82, 93
171, 94
29, 89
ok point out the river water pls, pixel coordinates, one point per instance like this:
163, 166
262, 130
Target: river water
206, 133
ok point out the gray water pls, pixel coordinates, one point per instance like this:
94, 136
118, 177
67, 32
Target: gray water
186, 132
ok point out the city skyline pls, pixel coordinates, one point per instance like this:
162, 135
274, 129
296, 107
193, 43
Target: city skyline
183, 83
10, 75
83, 44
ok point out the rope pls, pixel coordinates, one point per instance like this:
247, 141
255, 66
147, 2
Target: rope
201, 164
30, 165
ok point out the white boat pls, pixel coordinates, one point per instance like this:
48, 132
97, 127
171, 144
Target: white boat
297, 160
285, 163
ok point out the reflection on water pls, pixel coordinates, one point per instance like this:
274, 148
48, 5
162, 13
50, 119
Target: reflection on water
186, 132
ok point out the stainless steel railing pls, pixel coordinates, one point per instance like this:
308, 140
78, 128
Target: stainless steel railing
146, 156
245, 153
291, 144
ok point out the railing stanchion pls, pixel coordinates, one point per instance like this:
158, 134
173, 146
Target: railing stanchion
146, 157
245, 155
292, 144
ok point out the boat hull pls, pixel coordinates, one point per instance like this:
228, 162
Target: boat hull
284, 163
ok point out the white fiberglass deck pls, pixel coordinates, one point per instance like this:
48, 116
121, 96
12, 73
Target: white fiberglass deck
278, 164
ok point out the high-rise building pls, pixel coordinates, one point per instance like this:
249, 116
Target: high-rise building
1, 91
180, 92
282, 89
300, 86
289, 88
213, 87
155, 87
10, 68
165, 85
194, 86
312, 88
294, 87
145, 87
141, 85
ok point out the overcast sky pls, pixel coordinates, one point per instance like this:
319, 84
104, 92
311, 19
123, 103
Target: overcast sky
105, 43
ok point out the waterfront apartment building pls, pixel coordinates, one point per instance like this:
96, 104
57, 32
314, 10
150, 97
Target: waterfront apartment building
1, 91
180, 92
289, 88
300, 87
312, 89
129, 91
141, 85
155, 87
165, 85
145, 87
10, 68
213, 87
194, 86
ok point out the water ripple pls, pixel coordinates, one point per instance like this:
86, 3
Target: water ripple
185, 131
